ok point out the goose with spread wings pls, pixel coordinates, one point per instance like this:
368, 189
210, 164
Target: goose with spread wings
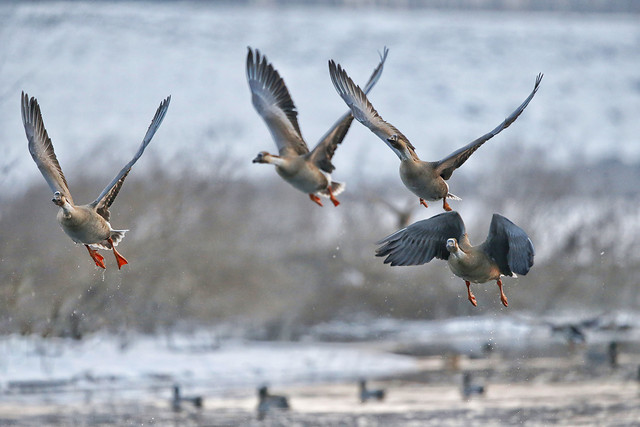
427, 180
86, 224
308, 171
507, 249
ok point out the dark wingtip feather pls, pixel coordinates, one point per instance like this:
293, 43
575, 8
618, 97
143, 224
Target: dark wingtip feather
538, 80
263, 73
383, 55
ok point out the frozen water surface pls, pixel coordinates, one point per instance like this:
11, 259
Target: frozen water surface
103, 363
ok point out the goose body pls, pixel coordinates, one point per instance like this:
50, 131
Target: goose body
367, 394
178, 398
83, 225
422, 179
268, 403
471, 264
469, 388
302, 174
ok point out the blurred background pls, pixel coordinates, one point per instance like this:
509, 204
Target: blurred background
224, 251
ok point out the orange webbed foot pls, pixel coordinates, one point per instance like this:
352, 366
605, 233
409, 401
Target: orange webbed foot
315, 199
423, 203
96, 257
119, 258
332, 197
99, 259
445, 205
472, 297
503, 297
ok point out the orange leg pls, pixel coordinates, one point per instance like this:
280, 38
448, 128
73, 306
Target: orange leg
315, 198
445, 205
423, 203
96, 257
503, 297
332, 197
472, 298
119, 258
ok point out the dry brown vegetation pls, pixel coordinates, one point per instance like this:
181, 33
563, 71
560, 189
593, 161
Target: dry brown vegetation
227, 249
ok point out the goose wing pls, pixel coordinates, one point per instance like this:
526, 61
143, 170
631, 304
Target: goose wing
509, 246
108, 195
446, 166
272, 101
420, 242
362, 108
324, 150
41, 148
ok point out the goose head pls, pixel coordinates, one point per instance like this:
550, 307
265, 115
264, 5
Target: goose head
399, 147
263, 157
59, 199
452, 245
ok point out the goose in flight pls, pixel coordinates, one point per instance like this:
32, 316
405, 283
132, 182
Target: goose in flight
85, 224
427, 180
308, 171
507, 249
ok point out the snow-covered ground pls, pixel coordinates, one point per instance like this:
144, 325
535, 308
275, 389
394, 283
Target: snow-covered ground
134, 365
467, 335
103, 363
99, 70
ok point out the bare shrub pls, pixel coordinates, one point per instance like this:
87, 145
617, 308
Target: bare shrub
220, 248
